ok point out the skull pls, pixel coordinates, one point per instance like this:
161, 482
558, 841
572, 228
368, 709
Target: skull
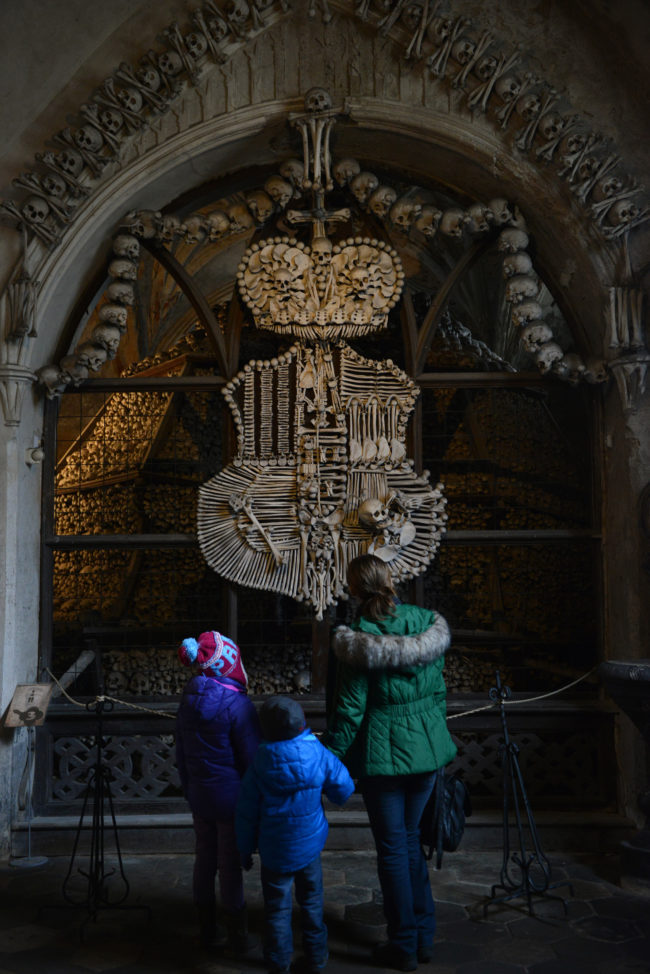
519, 263
89, 138
595, 371
485, 67
604, 188
570, 367
240, 218
123, 269
91, 355
572, 143
511, 240
551, 125
527, 312
588, 167
381, 200
196, 44
317, 100
126, 245
148, 76
372, 513
360, 283
111, 120
439, 29
345, 170
293, 171
170, 63
363, 185
170, 227
279, 190
71, 162
140, 684
521, 286
412, 16
35, 209
131, 98
621, 213
237, 12
260, 204
284, 285
195, 229
53, 185
479, 218
535, 335
453, 222
218, 28
54, 379
116, 682
501, 212
142, 223
121, 292
462, 50
114, 314
107, 337
321, 251
528, 106
403, 213
218, 224
507, 87
427, 222
76, 370
547, 354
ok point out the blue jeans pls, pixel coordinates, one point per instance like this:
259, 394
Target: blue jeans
216, 851
277, 887
395, 804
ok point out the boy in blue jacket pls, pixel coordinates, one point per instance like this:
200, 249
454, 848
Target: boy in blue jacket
280, 812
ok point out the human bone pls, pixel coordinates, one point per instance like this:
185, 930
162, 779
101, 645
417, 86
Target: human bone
546, 355
170, 63
622, 213
125, 270
511, 240
70, 162
148, 76
363, 185
240, 218
535, 335
111, 120
345, 170
570, 367
485, 67
125, 245
91, 355
218, 224
462, 50
169, 227
260, 204
551, 125
428, 220
89, 138
317, 100
501, 211
439, 30
517, 263
114, 314
279, 190
131, 99
53, 185
108, 337
372, 513
195, 228
142, 223
527, 312
54, 379
381, 200
75, 369
35, 209
595, 371
521, 286
293, 171
237, 13
196, 44
479, 218
121, 292
528, 106
507, 87
404, 212
452, 222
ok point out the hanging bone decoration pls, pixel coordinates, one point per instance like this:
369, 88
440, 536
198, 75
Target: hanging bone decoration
321, 430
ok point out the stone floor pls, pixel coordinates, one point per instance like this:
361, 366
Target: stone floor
606, 929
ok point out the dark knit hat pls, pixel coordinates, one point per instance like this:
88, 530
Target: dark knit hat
281, 718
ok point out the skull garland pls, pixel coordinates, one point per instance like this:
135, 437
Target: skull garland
91, 356
279, 190
107, 337
381, 200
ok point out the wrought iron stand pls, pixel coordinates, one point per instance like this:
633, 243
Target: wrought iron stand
524, 873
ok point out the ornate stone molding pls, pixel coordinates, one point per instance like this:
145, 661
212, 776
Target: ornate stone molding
490, 79
14, 380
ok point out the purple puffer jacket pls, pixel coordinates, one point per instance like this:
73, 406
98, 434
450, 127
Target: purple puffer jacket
217, 734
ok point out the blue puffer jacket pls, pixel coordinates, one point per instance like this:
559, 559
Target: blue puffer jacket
280, 811
217, 735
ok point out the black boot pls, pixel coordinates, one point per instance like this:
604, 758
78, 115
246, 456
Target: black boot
211, 935
240, 941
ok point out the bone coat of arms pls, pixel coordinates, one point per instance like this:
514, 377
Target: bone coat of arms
321, 473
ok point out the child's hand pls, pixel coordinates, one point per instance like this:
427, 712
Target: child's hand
247, 863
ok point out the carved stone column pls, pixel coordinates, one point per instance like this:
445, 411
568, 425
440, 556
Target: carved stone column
14, 380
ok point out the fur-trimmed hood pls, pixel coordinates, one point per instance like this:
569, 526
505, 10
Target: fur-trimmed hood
368, 651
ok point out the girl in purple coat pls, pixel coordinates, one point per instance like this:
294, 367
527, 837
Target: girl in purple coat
217, 735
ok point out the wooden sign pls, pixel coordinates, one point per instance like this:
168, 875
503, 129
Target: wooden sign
28, 705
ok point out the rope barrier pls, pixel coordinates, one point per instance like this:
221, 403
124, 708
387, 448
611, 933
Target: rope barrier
464, 713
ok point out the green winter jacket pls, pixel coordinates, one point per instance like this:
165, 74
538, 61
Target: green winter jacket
390, 710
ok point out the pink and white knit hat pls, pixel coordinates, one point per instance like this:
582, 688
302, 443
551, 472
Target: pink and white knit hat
215, 654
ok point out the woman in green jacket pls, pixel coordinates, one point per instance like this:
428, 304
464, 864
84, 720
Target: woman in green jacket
389, 727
